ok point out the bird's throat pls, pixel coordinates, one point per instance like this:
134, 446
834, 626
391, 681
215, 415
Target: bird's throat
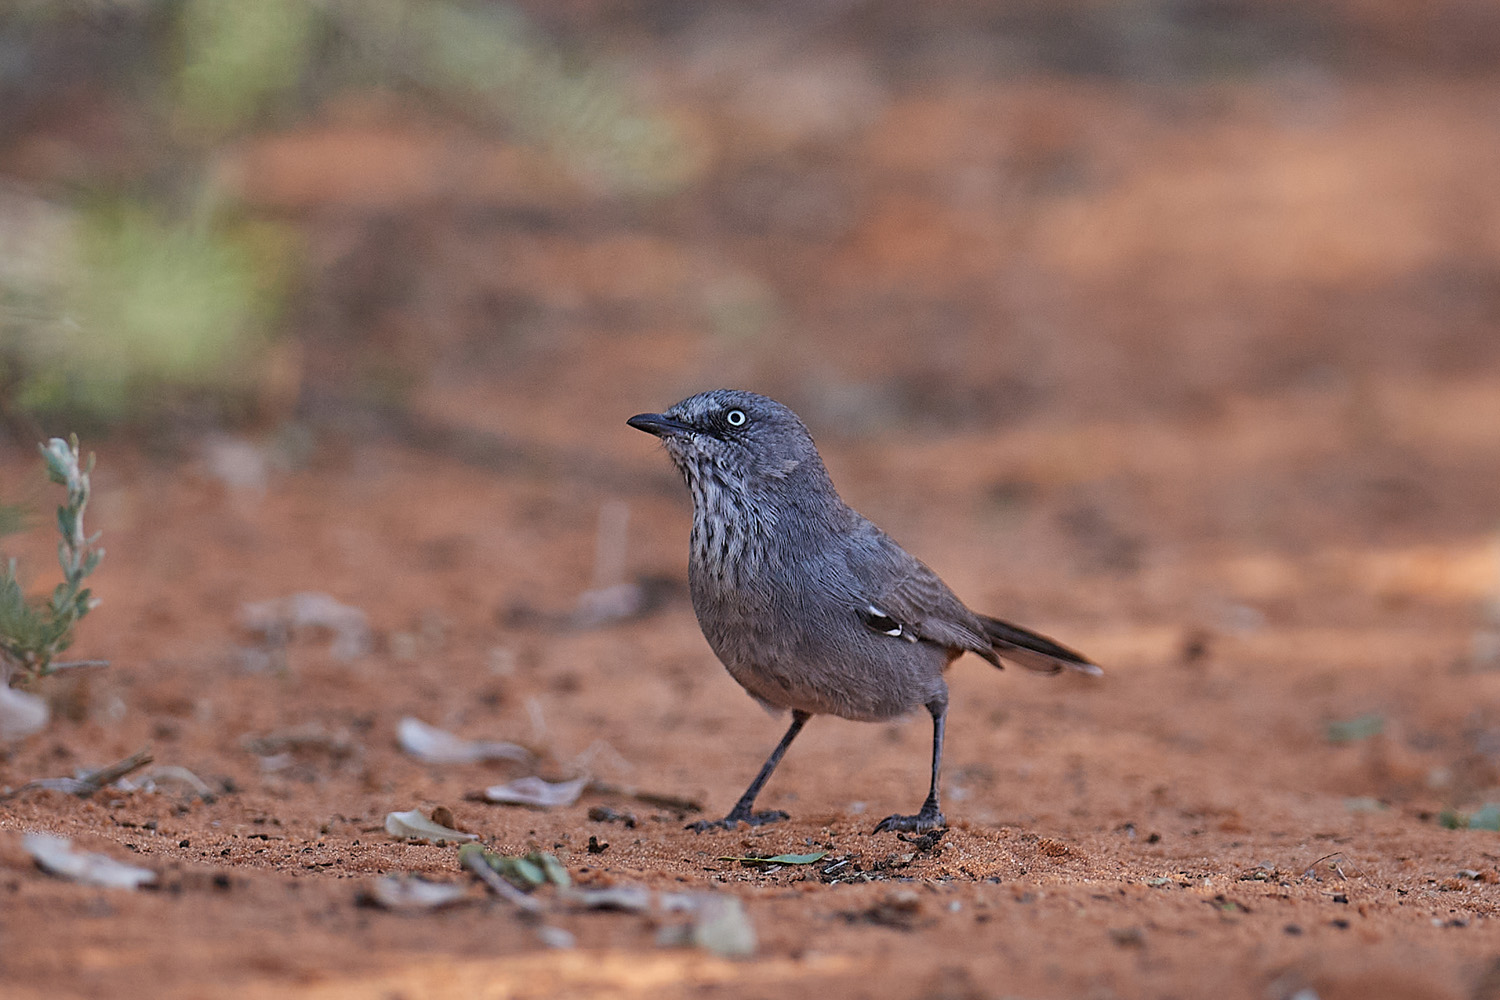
732, 534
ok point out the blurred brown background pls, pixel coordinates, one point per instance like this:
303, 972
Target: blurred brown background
946, 215
1170, 327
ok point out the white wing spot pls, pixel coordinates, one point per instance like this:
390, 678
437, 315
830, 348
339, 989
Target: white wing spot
878, 618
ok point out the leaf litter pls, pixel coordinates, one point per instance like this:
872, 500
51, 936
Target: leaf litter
22, 714
438, 746
278, 620
534, 791
413, 825
716, 922
57, 856
412, 893
1486, 817
87, 782
476, 859
776, 859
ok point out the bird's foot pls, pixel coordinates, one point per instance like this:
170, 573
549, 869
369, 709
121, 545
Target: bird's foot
735, 818
927, 819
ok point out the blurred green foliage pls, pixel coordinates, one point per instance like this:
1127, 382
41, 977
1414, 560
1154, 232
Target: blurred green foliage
138, 309
119, 303
238, 56
491, 58
489, 61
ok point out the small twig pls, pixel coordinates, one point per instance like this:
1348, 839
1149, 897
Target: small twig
77, 665
661, 800
1310, 869
1337, 869
112, 773
91, 781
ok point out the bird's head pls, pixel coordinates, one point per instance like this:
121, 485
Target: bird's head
741, 439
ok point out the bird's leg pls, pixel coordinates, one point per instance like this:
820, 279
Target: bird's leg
741, 812
931, 816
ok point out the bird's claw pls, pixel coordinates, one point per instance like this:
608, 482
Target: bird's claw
919, 823
734, 819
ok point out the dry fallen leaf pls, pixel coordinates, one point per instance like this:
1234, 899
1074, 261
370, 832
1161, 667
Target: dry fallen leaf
630, 898
56, 856
21, 714
411, 892
534, 791
438, 746
412, 824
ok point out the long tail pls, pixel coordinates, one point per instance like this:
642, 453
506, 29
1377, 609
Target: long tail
1033, 651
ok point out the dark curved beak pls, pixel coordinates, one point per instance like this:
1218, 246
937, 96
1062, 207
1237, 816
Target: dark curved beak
659, 424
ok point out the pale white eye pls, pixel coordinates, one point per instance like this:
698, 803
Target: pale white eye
735, 418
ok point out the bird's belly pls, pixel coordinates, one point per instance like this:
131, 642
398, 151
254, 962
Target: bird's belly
813, 665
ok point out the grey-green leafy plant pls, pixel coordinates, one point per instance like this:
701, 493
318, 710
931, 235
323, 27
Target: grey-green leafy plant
32, 634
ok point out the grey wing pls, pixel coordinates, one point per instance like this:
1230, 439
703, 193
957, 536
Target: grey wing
896, 594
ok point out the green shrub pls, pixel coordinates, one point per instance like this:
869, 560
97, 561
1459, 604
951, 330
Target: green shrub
33, 633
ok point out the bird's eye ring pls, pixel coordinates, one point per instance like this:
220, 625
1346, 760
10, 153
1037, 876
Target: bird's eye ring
736, 418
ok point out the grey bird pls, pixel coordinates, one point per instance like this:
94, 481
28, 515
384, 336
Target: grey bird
812, 608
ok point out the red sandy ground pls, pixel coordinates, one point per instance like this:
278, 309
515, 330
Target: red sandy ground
1251, 554
1181, 827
